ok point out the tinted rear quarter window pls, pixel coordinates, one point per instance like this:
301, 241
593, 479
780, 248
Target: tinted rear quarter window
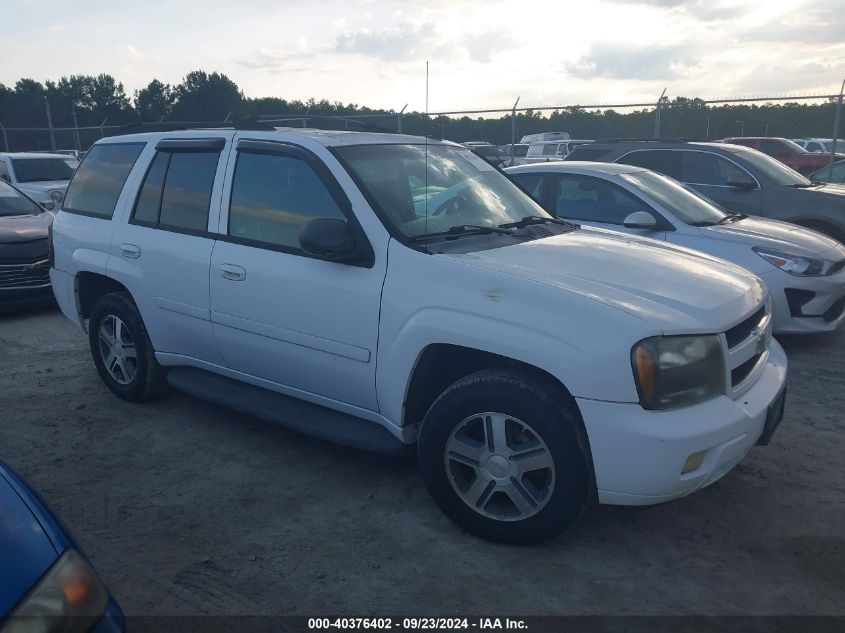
176, 193
98, 181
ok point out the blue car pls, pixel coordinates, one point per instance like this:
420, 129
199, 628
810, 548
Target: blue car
46, 583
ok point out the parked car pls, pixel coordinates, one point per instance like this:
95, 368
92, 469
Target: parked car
544, 151
47, 583
43, 177
545, 136
24, 266
832, 173
804, 270
816, 145
740, 179
493, 154
789, 153
385, 291
519, 152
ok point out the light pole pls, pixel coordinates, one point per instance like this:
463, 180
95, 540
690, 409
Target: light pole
741, 128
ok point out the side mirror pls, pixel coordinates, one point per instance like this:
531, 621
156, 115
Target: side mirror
329, 239
738, 182
49, 205
640, 220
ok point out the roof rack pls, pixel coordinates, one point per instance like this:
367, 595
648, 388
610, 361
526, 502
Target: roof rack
260, 122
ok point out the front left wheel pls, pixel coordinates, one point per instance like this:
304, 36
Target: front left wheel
505, 456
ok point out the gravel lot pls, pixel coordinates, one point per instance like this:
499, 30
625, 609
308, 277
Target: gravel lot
188, 508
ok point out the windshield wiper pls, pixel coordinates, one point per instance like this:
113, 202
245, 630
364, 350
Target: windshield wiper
462, 230
733, 217
801, 185
536, 219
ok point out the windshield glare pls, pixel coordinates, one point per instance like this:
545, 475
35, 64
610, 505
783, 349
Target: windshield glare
771, 168
424, 190
37, 169
13, 203
675, 198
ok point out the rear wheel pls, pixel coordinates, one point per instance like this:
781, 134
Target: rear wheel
505, 457
122, 351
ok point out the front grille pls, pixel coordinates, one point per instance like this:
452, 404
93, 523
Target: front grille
738, 374
835, 311
739, 333
23, 276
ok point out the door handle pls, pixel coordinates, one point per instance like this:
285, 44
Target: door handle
232, 272
130, 251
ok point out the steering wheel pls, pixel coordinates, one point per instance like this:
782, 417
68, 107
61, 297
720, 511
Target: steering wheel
452, 205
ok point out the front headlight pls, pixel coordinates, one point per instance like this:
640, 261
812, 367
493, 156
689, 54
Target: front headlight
798, 265
69, 598
677, 371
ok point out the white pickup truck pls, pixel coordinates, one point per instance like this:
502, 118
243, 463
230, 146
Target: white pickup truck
385, 291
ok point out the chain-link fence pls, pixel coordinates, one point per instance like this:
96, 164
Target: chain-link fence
793, 117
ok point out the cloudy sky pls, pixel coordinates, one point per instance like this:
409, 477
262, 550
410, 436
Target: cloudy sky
482, 53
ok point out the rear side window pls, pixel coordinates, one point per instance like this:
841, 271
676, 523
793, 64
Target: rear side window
176, 193
98, 181
273, 196
701, 168
662, 161
594, 200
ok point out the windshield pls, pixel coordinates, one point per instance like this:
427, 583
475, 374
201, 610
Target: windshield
35, 169
14, 203
794, 147
425, 190
675, 198
771, 168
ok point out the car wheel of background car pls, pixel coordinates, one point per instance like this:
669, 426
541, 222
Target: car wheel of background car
122, 350
506, 457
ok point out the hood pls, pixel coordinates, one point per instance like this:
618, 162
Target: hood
674, 289
43, 186
772, 233
26, 551
24, 228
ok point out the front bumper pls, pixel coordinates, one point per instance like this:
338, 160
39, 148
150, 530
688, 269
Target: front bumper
638, 455
25, 298
823, 312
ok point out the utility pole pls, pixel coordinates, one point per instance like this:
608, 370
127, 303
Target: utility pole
741, 128
5, 138
50, 124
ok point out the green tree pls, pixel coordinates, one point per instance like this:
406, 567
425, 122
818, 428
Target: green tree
206, 97
155, 101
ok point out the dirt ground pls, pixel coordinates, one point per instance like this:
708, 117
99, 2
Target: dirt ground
188, 508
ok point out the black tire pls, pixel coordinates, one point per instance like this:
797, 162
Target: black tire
552, 415
150, 378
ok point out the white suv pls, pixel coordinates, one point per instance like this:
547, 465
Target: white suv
384, 290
